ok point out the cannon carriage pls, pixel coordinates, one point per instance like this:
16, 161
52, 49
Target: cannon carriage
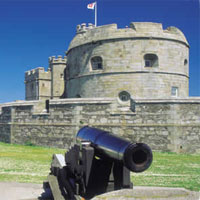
99, 162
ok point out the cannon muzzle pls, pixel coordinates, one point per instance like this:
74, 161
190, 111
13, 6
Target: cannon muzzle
137, 157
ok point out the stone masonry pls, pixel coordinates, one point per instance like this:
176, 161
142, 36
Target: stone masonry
41, 84
124, 54
132, 82
167, 125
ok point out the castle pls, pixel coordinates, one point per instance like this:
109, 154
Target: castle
132, 81
143, 60
46, 85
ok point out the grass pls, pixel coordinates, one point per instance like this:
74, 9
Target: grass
171, 170
25, 163
31, 164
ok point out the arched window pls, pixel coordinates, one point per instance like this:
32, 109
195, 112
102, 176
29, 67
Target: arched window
97, 63
151, 60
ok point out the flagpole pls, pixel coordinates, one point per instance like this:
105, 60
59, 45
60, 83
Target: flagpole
96, 14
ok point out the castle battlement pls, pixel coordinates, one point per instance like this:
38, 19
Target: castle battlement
133, 81
80, 28
149, 30
103, 61
41, 84
38, 73
34, 71
58, 60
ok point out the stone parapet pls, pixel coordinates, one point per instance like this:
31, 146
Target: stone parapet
164, 124
145, 60
81, 101
34, 71
36, 74
58, 60
189, 100
136, 30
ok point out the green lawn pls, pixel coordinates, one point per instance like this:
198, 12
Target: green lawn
31, 164
25, 163
171, 170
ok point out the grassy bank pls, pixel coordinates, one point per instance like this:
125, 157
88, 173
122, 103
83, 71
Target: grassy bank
171, 170
31, 164
25, 163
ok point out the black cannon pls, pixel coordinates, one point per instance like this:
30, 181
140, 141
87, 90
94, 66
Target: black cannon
98, 163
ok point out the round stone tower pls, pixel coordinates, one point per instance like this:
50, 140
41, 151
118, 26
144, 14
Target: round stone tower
142, 60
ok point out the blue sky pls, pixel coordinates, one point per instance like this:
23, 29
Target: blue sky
33, 30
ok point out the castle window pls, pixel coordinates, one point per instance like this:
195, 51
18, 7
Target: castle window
185, 62
151, 60
124, 96
148, 63
96, 63
174, 91
47, 105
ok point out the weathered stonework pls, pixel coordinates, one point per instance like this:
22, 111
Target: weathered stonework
37, 83
167, 125
41, 84
132, 82
123, 64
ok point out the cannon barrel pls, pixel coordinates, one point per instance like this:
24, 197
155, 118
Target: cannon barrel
137, 157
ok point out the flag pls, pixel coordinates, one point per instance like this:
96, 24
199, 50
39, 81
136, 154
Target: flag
91, 5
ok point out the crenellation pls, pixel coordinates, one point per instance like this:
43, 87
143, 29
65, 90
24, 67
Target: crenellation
136, 30
39, 69
34, 71
41, 84
78, 28
147, 27
37, 73
90, 26
58, 60
133, 81
124, 52
174, 30
82, 28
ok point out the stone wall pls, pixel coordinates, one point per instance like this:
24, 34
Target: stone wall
124, 53
57, 66
167, 125
5, 128
37, 84
42, 85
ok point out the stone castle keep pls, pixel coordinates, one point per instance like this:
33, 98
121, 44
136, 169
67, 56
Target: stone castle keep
132, 81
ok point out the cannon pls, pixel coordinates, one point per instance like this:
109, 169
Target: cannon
99, 162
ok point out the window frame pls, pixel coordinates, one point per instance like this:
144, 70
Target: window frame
124, 96
152, 59
174, 91
96, 65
